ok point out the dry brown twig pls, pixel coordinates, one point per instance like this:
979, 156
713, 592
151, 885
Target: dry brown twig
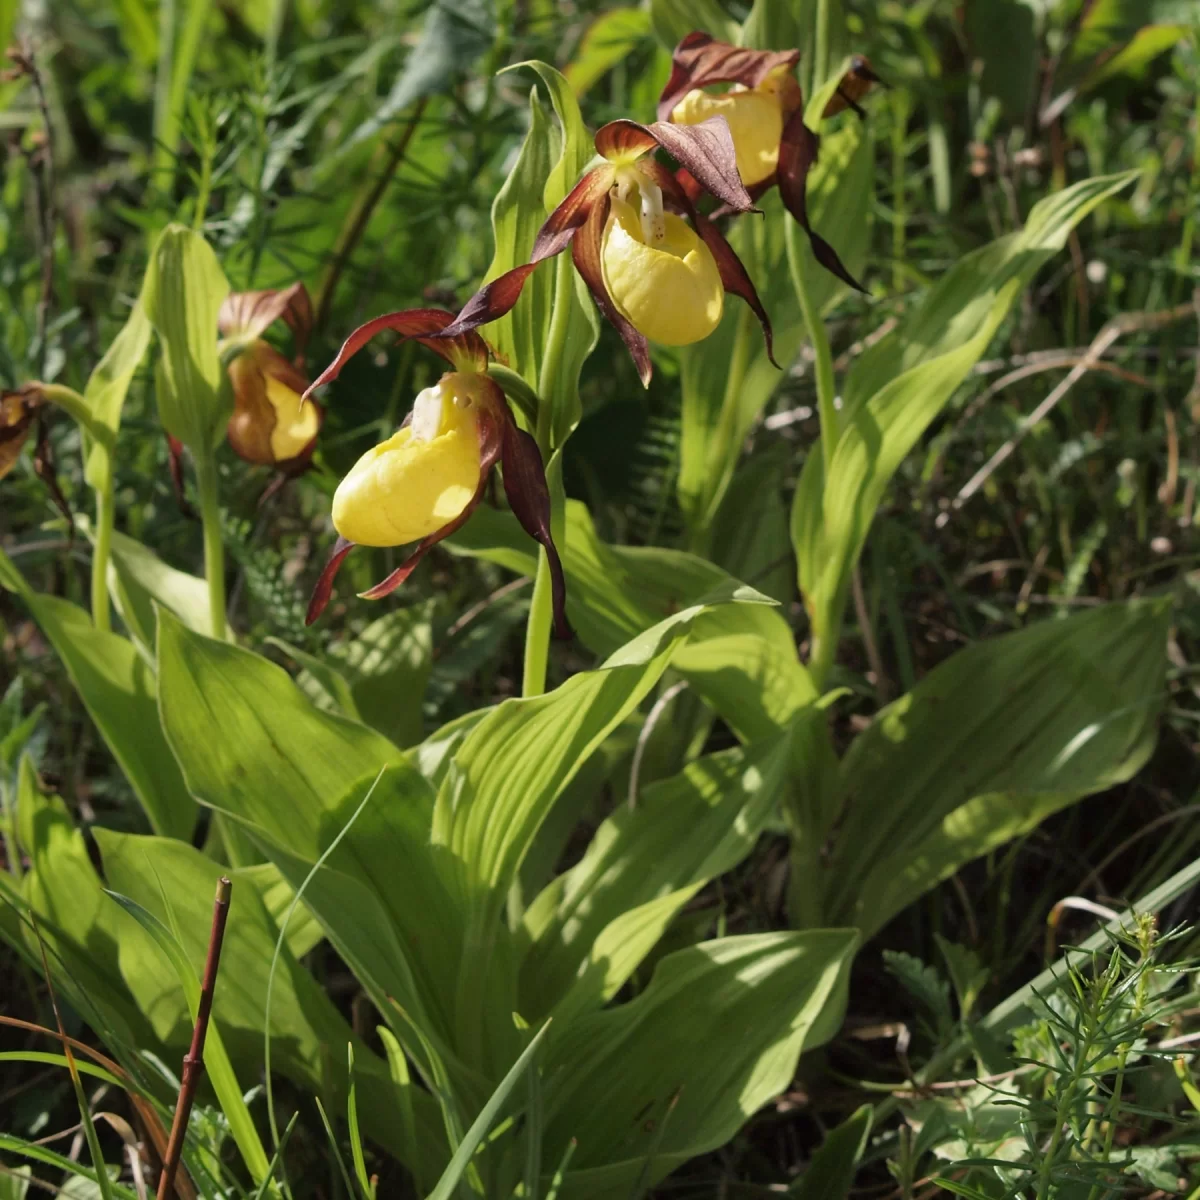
193, 1060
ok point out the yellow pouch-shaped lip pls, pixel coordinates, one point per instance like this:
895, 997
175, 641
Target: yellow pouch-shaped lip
410, 486
295, 426
671, 291
755, 122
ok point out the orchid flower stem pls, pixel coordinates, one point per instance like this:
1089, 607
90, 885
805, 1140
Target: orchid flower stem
102, 551
821, 45
826, 625
214, 548
541, 616
537, 631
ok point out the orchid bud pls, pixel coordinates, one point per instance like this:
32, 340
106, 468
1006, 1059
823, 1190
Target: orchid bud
270, 424
17, 413
660, 275
424, 476
755, 116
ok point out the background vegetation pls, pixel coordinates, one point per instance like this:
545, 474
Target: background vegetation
359, 147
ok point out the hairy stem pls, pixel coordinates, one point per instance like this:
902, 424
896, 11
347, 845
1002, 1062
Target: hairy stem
102, 550
214, 549
540, 621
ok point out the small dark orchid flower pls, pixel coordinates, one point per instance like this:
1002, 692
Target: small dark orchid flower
270, 427
765, 113
21, 411
652, 274
423, 482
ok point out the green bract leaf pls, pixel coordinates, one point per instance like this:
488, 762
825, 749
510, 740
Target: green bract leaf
107, 387
182, 294
118, 689
987, 746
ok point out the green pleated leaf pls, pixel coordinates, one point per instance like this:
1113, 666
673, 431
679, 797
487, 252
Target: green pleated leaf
684, 831
741, 658
898, 386
182, 294
698, 1070
988, 745
217, 1064
303, 1021
252, 745
118, 688
518, 212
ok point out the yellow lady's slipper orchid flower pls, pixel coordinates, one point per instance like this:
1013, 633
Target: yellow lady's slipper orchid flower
269, 425
657, 268
422, 477
423, 482
765, 112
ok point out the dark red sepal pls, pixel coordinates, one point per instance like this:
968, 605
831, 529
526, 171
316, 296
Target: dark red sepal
700, 61
529, 498
499, 296
797, 153
175, 468
429, 326
585, 253
324, 588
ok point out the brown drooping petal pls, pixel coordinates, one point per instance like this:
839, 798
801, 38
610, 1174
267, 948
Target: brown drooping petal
586, 254
797, 153
700, 60
254, 417
251, 313
496, 298
529, 498
855, 84
429, 326
324, 588
706, 150
734, 277
491, 442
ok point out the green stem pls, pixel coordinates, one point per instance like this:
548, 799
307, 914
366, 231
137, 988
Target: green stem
821, 46
214, 549
556, 339
102, 550
537, 631
538, 626
826, 625
899, 188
